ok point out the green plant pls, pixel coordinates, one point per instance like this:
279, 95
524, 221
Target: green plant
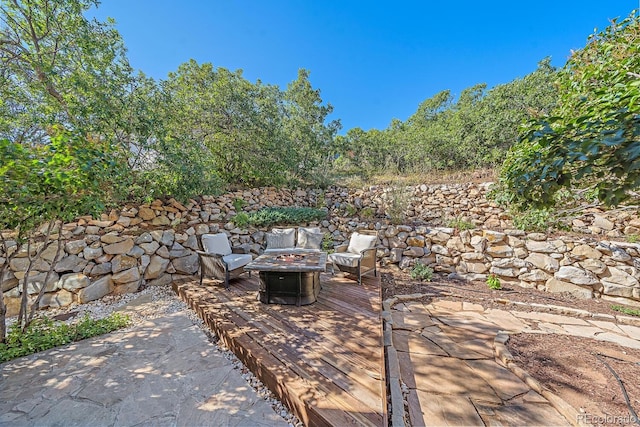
493, 282
421, 271
626, 310
284, 215
367, 213
43, 333
461, 223
238, 204
350, 210
396, 203
633, 238
327, 243
241, 220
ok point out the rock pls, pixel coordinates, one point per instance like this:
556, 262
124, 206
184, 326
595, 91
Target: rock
543, 262
613, 289
9, 281
71, 263
417, 241
119, 248
146, 213
500, 251
90, 253
73, 281
558, 286
593, 265
62, 298
396, 255
144, 238
493, 236
101, 269
581, 252
122, 262
150, 248
504, 272
157, 266
414, 252
576, 275
617, 277
96, 290
535, 275
186, 265
472, 267
126, 288
191, 243
550, 247
111, 238
126, 276
602, 223
168, 237
160, 221
75, 246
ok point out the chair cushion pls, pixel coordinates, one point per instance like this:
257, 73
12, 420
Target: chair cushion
281, 238
345, 258
359, 242
216, 243
308, 238
237, 260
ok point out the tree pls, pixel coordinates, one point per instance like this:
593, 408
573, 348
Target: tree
47, 184
57, 67
593, 138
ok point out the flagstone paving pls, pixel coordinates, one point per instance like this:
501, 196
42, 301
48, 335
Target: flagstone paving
452, 375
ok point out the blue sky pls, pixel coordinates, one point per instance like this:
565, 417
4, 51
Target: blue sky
372, 60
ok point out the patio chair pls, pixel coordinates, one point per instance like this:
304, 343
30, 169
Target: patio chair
219, 260
358, 257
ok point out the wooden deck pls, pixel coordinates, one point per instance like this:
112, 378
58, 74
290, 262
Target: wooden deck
325, 360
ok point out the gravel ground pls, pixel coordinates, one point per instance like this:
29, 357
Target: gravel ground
165, 302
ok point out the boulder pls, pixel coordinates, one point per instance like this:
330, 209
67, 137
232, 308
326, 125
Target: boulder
119, 248
186, 265
71, 263
126, 276
559, 286
576, 275
73, 281
96, 290
157, 266
74, 247
90, 253
543, 262
62, 298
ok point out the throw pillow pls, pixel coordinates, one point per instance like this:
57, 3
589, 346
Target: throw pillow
308, 240
281, 238
359, 242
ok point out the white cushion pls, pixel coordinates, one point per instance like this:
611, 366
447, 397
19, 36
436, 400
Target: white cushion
216, 244
281, 238
345, 258
237, 260
359, 242
309, 238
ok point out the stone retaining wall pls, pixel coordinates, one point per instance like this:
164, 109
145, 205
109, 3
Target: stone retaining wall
154, 244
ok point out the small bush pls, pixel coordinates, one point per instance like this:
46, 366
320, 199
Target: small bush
350, 210
289, 215
494, 282
626, 310
43, 334
367, 213
461, 223
241, 220
238, 204
633, 238
327, 243
421, 271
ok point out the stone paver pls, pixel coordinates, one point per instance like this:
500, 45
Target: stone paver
449, 368
161, 372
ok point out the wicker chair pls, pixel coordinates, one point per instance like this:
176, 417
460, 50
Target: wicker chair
358, 257
219, 260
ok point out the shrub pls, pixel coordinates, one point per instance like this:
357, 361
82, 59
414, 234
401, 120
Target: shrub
421, 271
493, 282
241, 220
238, 204
633, 238
287, 215
461, 223
43, 334
626, 310
367, 213
327, 243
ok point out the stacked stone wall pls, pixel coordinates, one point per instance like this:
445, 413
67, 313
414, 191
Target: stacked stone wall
154, 244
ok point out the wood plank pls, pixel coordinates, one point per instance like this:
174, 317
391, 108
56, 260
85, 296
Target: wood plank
324, 360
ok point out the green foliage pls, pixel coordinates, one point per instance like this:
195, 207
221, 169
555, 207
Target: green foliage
633, 238
43, 334
350, 210
472, 131
538, 220
593, 138
397, 199
461, 223
327, 243
493, 282
367, 213
241, 220
626, 310
280, 216
421, 271
238, 204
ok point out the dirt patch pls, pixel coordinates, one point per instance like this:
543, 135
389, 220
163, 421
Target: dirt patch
573, 368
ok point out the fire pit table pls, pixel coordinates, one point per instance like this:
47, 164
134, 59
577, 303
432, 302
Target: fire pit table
289, 277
